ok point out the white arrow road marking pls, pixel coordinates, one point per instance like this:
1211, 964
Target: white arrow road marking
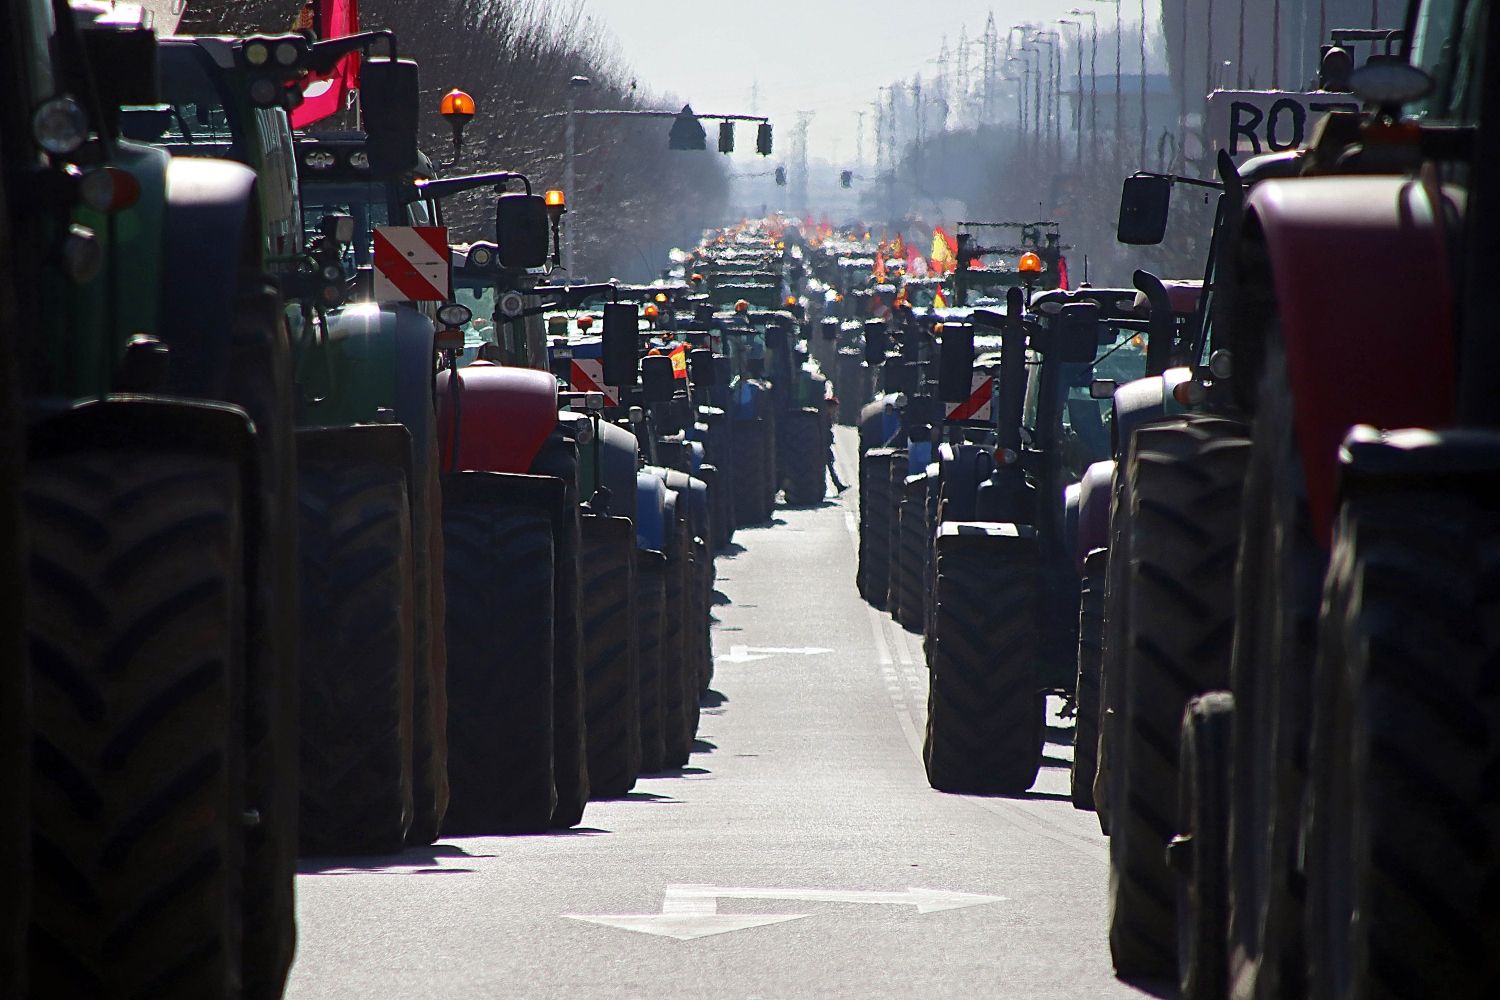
692, 911
745, 654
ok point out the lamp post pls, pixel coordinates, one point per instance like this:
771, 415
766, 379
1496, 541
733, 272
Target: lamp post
1050, 39
1144, 124
1093, 73
1119, 89
570, 189
1021, 90
1078, 96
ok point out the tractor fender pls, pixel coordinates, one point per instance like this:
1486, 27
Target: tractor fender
505, 415
692, 498
1094, 491
670, 512
650, 512
1370, 340
380, 357
879, 423
1142, 401
963, 468
211, 233
695, 454
1072, 495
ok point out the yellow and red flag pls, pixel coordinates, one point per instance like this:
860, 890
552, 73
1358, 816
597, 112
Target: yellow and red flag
944, 251
679, 361
939, 300
879, 267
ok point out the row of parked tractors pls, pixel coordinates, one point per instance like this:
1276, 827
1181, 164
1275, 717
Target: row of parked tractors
1271, 593
291, 569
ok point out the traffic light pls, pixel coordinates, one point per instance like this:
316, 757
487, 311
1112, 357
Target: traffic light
726, 137
763, 139
846, 178
686, 132
781, 176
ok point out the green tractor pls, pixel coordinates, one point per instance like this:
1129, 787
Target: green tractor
153, 375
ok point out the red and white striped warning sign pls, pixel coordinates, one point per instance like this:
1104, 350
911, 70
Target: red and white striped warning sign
587, 375
411, 264
977, 406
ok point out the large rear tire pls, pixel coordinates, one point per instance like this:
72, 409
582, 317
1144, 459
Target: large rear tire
1402, 828
1186, 477
611, 670
1086, 691
1199, 853
749, 473
356, 676
651, 606
804, 444
430, 676
498, 567
137, 635
985, 711
1278, 578
876, 508
679, 673
910, 580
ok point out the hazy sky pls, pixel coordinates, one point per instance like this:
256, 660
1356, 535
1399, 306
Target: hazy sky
829, 57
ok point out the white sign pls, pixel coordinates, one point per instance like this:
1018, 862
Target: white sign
692, 911
411, 264
1248, 123
745, 654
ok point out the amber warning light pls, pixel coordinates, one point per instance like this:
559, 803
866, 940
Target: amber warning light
556, 199
1030, 263
457, 103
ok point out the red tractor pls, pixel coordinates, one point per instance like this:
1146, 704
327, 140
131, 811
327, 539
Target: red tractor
1337, 831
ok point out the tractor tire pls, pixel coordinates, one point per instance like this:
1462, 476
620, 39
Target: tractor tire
356, 678
1402, 827
611, 672
1186, 477
430, 674
911, 582
748, 468
261, 382
1199, 853
137, 640
876, 507
570, 759
1086, 691
676, 740
701, 626
498, 567
1278, 579
1112, 650
804, 447
15, 680
651, 606
770, 473
895, 588
985, 710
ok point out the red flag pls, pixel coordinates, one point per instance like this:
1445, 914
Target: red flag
879, 267
324, 95
1062, 273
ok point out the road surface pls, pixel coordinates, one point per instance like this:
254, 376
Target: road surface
800, 854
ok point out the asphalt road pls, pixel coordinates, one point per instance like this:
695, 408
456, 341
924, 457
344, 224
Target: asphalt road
801, 854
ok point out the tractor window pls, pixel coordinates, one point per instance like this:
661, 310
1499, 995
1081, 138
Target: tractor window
365, 202
196, 117
481, 301
278, 182
1446, 41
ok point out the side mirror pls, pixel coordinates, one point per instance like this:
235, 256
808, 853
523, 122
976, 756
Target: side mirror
657, 381
1144, 201
1075, 333
877, 342
389, 101
521, 230
1103, 388
620, 325
956, 363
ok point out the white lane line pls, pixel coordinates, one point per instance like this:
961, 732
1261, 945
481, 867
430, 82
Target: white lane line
881, 648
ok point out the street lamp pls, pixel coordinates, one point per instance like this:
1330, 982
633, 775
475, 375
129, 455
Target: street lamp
1024, 80
576, 84
1051, 39
1119, 90
1077, 97
1093, 73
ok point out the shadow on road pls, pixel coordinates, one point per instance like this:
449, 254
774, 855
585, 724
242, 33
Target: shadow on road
408, 862
703, 746
1162, 988
1061, 735
639, 797
721, 598
712, 699
678, 772
1050, 761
